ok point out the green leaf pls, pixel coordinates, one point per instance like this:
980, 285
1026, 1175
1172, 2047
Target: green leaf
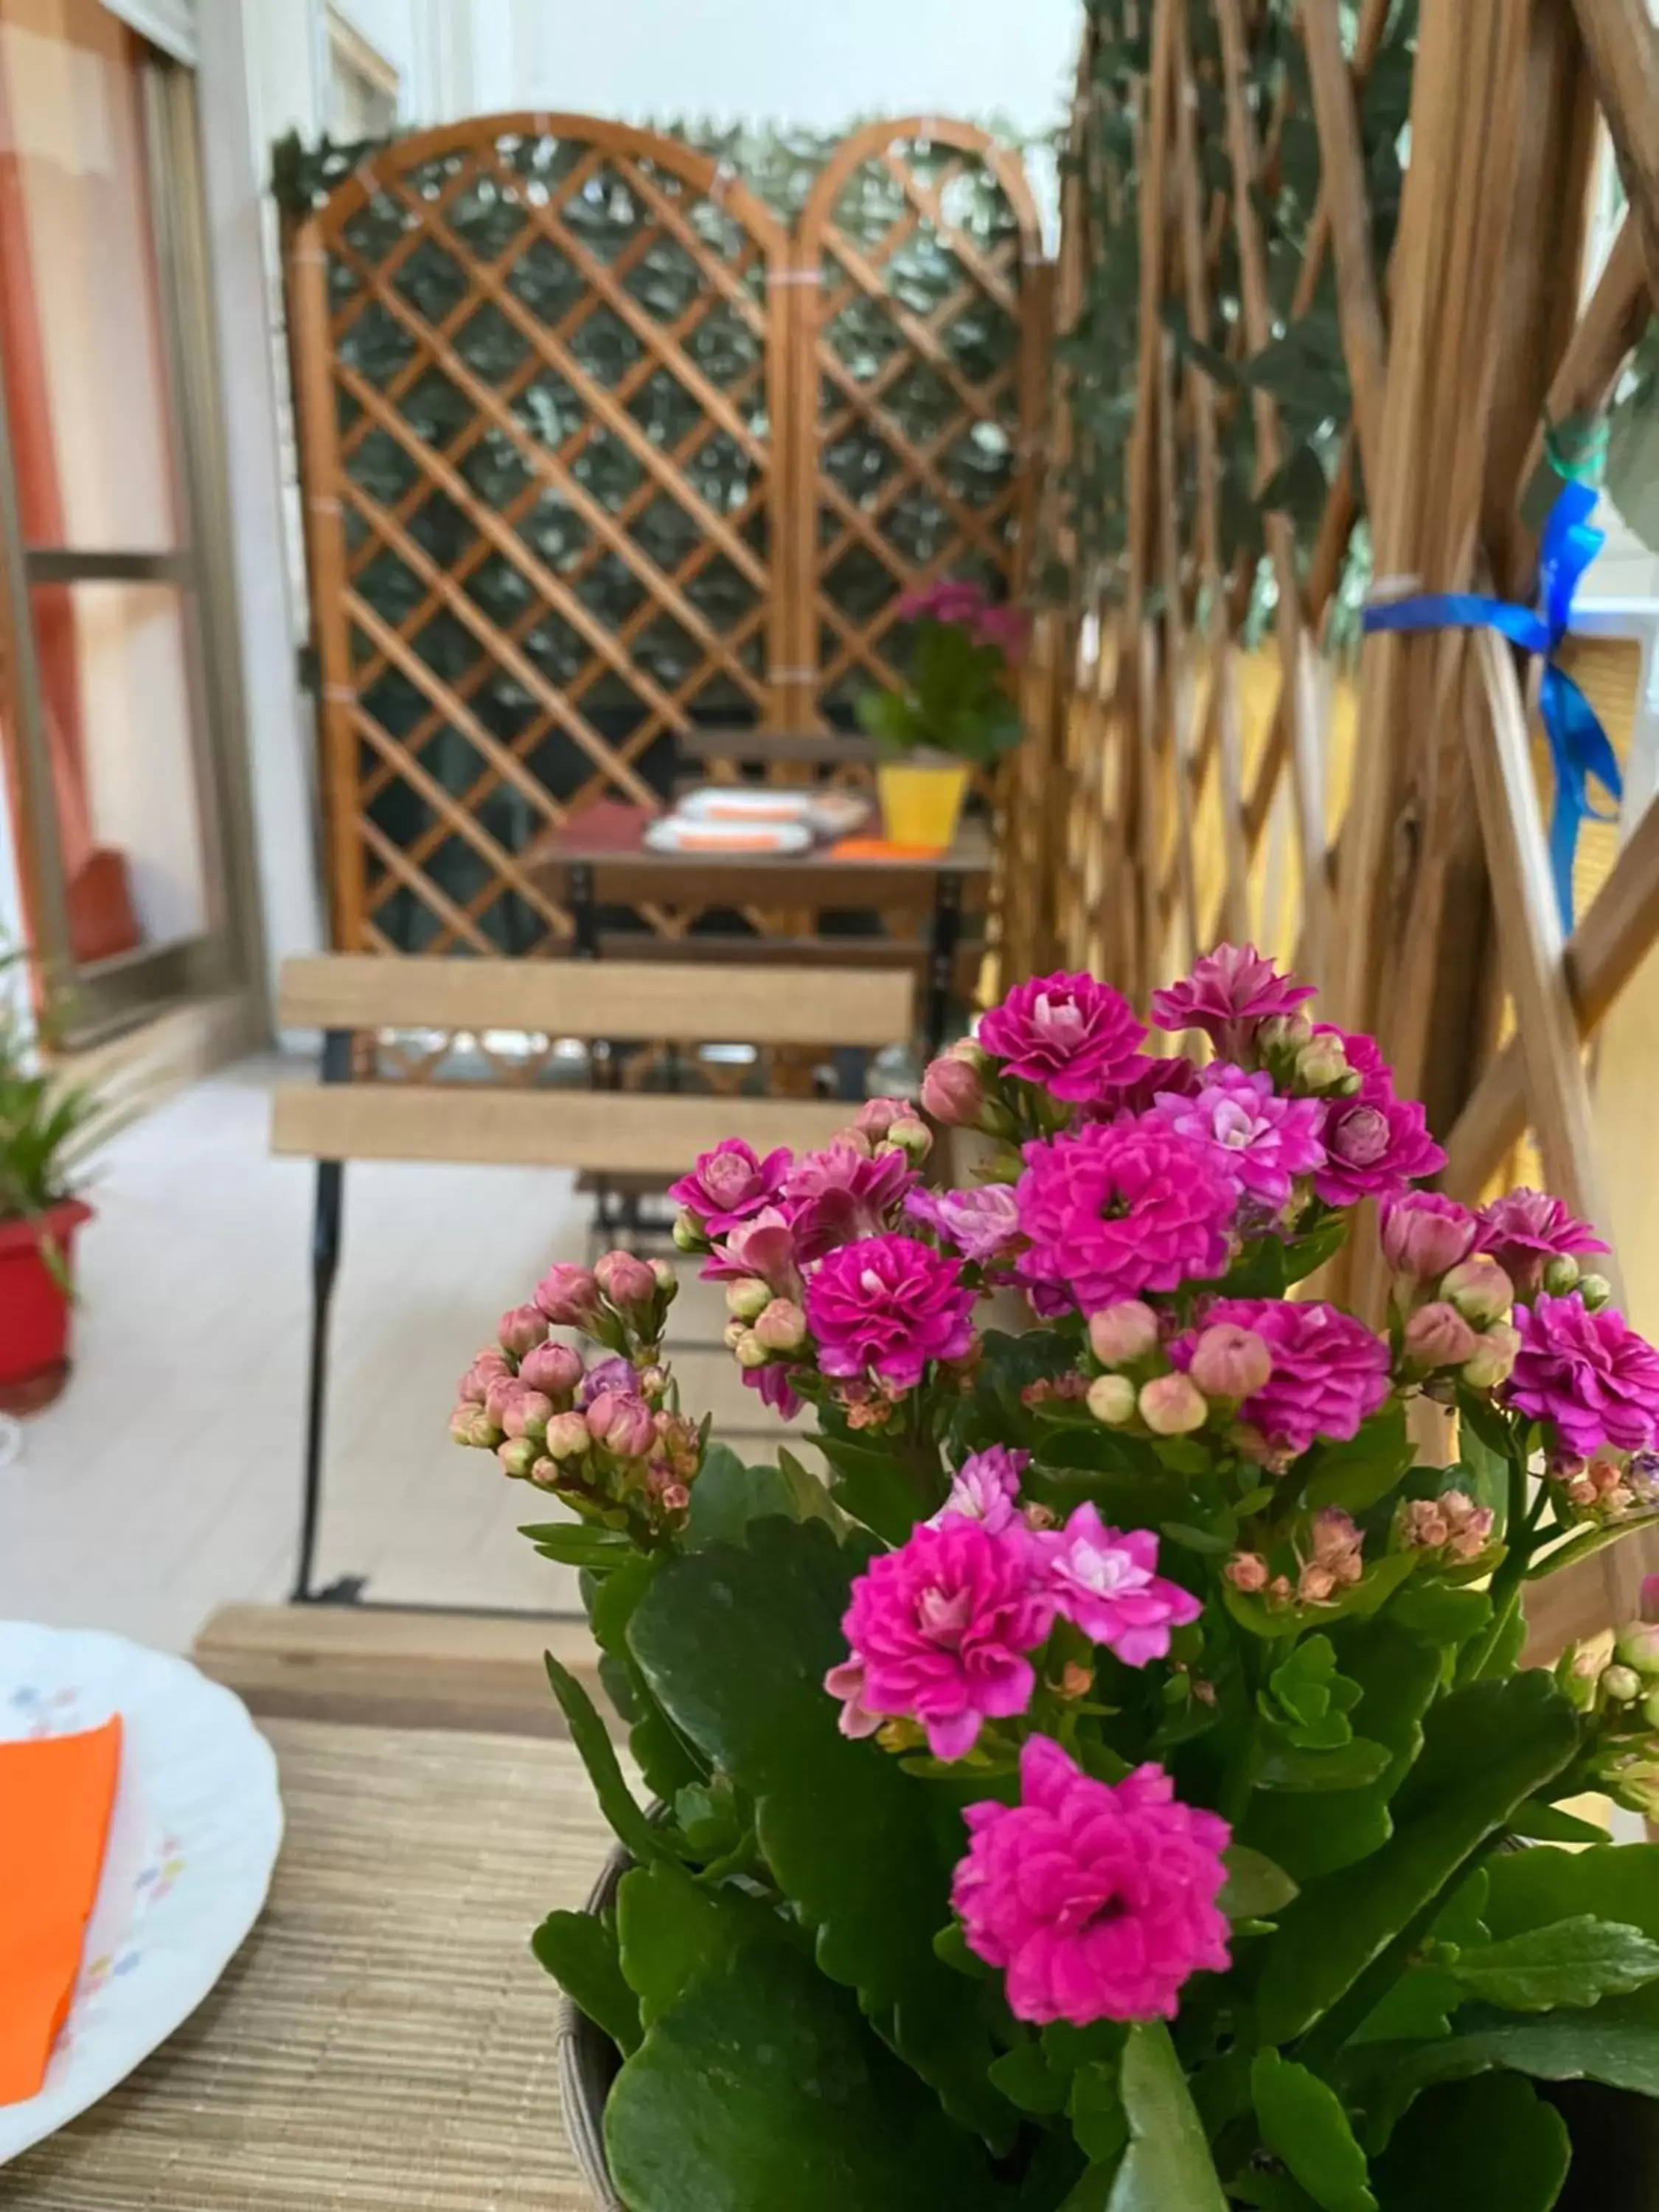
578, 1544
727, 1496
1491, 2142
1436, 1614
1417, 2009
598, 1755
1617, 1881
1486, 1748
1255, 1887
1356, 1475
1553, 1824
1168, 2162
580, 1952
1570, 1963
764, 2087
1311, 1834
1348, 1766
1095, 2108
1025, 2077
735, 1642
875, 1488
669, 1929
1302, 2122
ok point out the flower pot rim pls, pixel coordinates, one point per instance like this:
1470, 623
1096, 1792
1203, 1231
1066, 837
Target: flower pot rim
58, 1220
929, 756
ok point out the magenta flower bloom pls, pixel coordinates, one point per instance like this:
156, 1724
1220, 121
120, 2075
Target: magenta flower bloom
986, 1488
1329, 1373
1104, 1582
1229, 995
776, 1389
1266, 1140
840, 1193
731, 1184
940, 1630
981, 1224
1525, 1229
1116, 1209
763, 1247
1097, 1901
1425, 1236
1375, 1143
1146, 1081
886, 1306
952, 599
1070, 1033
1588, 1374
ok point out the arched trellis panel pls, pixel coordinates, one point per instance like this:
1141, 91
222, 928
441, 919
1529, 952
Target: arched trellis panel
917, 430
592, 445
536, 382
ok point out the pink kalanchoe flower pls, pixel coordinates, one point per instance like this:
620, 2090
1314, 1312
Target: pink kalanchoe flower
731, 1184
886, 1306
1329, 1373
1104, 1582
1114, 1210
774, 1387
1007, 628
951, 599
841, 1194
1229, 993
1424, 1234
569, 1294
1376, 1144
1525, 1229
1097, 1900
763, 1247
1267, 1140
981, 1224
986, 1488
1138, 1092
942, 1629
1588, 1374
1070, 1033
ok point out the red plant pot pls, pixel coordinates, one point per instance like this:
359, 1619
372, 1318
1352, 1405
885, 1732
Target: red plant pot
35, 1308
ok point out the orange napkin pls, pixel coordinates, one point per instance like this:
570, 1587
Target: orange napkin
56, 1795
877, 848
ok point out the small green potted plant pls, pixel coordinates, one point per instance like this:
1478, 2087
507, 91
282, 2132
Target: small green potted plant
47, 1128
956, 714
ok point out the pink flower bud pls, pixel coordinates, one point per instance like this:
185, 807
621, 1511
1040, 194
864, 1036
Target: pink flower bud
622, 1424
750, 1351
566, 1436
628, 1283
503, 1391
1423, 1526
464, 1423
675, 1498
1321, 1064
1479, 1290
653, 1384
1247, 1570
782, 1326
747, 1297
545, 1475
910, 1135
952, 1093
667, 1281
688, 1232
521, 1330
1111, 1399
569, 1294
1122, 1333
1230, 1362
1335, 1536
528, 1415
1285, 1033
1076, 1680
553, 1369
735, 1331
1493, 1357
1315, 1586
1437, 1335
1595, 1291
1171, 1405
876, 1117
489, 1364
1424, 1234
517, 1455
1622, 1684
1562, 1273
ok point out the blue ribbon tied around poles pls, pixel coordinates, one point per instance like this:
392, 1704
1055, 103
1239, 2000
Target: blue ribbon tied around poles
1580, 750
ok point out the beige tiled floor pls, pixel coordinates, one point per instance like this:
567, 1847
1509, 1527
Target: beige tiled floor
167, 1480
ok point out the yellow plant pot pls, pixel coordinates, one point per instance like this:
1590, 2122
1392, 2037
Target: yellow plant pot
921, 801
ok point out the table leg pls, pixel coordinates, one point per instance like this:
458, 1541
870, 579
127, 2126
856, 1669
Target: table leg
941, 959
325, 1265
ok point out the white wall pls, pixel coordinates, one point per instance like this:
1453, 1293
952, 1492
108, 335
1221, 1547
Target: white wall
815, 61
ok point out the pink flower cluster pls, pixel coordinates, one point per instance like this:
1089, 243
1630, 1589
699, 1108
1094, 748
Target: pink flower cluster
1588, 1375
1074, 1036
941, 1630
1376, 1144
1329, 1374
1231, 993
1264, 1141
1113, 1210
1097, 1900
959, 601
1525, 1229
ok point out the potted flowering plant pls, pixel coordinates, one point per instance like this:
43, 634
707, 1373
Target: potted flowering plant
46, 1129
1100, 1794
956, 713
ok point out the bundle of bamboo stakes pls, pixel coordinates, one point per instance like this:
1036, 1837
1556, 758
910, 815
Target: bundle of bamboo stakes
1392, 842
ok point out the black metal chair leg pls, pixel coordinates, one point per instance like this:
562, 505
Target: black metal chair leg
324, 1265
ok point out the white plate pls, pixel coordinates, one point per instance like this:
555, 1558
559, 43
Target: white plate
727, 840
194, 1837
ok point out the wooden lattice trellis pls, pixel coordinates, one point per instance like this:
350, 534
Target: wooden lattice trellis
572, 402
1387, 833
